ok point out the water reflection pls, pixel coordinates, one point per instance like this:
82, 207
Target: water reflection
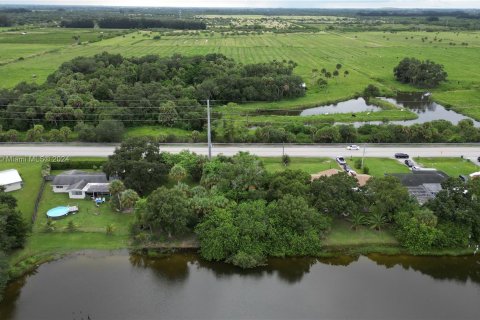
123, 285
461, 269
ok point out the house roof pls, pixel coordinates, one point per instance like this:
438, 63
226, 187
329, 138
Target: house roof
418, 178
9, 176
423, 185
97, 188
72, 177
77, 186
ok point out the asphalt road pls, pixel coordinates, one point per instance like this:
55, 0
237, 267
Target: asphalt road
78, 150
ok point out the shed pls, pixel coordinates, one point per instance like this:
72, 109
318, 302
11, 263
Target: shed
10, 180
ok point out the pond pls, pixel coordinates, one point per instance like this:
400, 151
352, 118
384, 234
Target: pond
420, 103
349, 106
119, 285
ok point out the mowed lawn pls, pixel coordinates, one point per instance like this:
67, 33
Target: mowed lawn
368, 56
379, 166
32, 180
451, 166
343, 235
309, 165
90, 218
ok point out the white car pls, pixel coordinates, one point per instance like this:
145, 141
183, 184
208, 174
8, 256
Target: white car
353, 147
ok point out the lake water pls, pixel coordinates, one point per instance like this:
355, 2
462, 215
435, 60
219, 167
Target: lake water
119, 285
353, 105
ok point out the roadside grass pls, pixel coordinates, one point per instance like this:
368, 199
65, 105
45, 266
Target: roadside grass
155, 131
451, 166
309, 165
343, 235
31, 176
90, 218
378, 166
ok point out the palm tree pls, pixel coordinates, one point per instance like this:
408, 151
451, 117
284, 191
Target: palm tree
109, 229
50, 225
357, 219
377, 221
128, 198
116, 188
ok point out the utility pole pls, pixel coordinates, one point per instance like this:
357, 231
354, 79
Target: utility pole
209, 132
363, 156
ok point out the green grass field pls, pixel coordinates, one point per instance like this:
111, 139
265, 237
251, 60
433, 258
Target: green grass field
309, 165
451, 166
30, 173
89, 218
379, 166
155, 131
369, 57
342, 235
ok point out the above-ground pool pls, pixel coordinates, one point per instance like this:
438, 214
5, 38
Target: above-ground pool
58, 212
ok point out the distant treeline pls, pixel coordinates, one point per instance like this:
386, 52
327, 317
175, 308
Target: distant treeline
4, 21
426, 13
128, 23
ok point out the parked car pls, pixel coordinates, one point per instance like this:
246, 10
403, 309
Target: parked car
463, 177
478, 159
409, 163
353, 147
341, 160
401, 156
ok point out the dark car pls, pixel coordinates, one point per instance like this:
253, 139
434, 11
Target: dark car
409, 163
401, 156
478, 159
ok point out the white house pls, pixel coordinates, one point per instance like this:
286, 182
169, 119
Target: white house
10, 180
80, 184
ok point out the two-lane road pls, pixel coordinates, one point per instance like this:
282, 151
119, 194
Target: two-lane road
470, 151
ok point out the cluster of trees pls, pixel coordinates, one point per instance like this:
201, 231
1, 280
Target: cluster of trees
450, 220
13, 232
134, 23
422, 74
429, 132
5, 21
242, 214
88, 91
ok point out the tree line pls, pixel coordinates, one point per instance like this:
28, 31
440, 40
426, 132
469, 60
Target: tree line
134, 23
143, 90
13, 233
242, 214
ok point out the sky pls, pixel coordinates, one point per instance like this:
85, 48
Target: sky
265, 3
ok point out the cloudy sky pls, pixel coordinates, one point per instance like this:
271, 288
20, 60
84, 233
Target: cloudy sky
266, 3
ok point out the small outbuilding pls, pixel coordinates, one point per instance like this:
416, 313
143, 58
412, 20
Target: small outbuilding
10, 180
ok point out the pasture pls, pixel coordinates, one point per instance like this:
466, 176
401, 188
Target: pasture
368, 56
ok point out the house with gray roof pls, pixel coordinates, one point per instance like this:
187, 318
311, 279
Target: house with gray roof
423, 185
80, 184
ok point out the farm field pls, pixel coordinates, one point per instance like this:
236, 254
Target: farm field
368, 56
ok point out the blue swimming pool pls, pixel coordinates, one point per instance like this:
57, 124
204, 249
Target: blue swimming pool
57, 212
